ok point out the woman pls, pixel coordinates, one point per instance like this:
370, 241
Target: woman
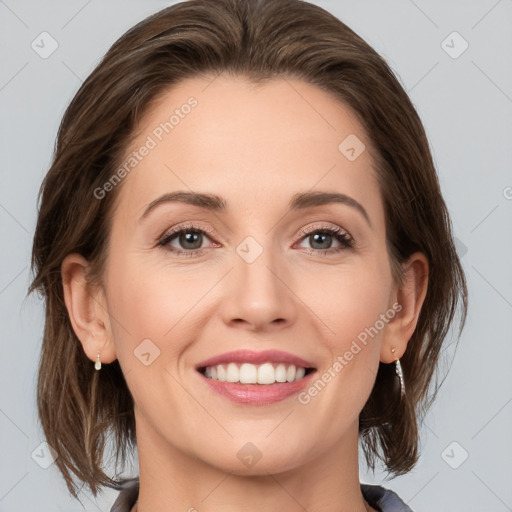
247, 263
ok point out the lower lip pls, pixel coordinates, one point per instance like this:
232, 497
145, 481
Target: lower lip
258, 394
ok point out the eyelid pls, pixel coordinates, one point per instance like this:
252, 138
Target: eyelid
208, 230
312, 229
303, 233
187, 225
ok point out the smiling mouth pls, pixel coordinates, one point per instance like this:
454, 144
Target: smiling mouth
248, 373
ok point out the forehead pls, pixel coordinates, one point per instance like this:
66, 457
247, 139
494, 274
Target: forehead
248, 143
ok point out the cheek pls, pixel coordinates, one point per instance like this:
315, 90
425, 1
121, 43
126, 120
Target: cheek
160, 303
352, 306
141, 307
153, 301
140, 295
352, 300
149, 313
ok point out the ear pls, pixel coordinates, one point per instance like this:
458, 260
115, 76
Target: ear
407, 302
87, 310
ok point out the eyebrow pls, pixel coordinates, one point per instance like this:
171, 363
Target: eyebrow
216, 203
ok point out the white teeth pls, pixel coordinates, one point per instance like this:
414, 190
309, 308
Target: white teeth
290, 373
221, 373
300, 373
248, 373
281, 373
266, 374
232, 373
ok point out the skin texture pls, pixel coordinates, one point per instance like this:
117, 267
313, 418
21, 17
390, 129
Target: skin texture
255, 146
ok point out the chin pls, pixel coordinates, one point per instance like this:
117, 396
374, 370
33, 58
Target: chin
255, 458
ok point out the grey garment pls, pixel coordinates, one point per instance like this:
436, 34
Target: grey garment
381, 499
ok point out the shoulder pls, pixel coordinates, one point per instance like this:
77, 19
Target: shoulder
384, 499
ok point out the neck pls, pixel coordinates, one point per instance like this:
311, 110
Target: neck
171, 479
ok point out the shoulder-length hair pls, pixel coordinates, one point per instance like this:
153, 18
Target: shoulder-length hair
81, 409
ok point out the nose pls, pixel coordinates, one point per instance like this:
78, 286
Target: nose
259, 295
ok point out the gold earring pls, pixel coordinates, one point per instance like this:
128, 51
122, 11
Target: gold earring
97, 364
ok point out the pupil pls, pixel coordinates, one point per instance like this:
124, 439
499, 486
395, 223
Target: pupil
324, 239
191, 238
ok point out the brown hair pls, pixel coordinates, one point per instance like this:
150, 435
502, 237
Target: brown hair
79, 408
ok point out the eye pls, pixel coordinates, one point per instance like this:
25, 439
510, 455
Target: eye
185, 240
189, 240
322, 239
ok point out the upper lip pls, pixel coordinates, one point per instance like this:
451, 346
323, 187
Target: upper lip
249, 356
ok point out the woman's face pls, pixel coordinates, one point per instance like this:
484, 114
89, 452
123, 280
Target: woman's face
261, 266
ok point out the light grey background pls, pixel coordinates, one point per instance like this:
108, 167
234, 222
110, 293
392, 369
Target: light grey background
466, 106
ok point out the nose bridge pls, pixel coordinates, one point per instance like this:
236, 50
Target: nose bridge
257, 295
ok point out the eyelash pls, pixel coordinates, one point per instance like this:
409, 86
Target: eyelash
346, 241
